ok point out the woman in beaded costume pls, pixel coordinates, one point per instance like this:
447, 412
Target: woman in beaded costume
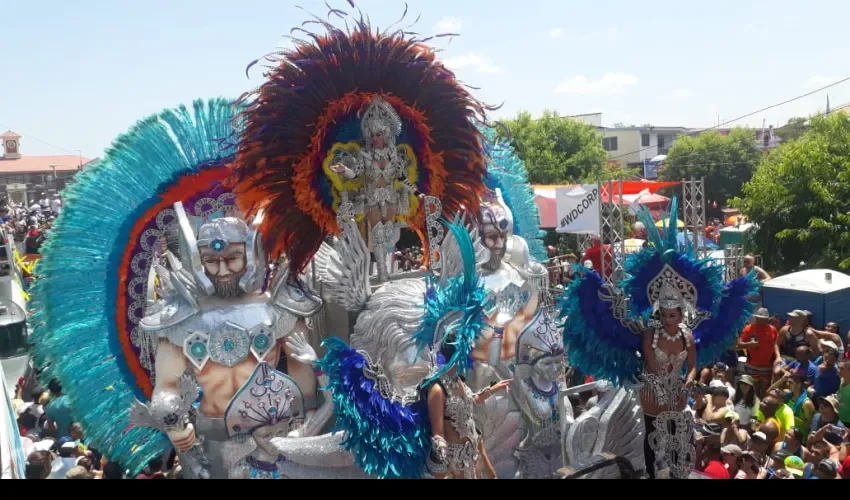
382, 169
671, 314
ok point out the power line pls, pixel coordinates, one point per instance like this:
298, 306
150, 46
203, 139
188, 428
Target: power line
28, 136
697, 132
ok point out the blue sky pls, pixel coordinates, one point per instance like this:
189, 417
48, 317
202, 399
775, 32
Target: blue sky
77, 73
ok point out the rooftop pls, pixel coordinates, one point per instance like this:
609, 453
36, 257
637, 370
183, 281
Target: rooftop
36, 164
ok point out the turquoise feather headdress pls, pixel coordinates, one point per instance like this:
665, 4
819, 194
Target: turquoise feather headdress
78, 337
454, 310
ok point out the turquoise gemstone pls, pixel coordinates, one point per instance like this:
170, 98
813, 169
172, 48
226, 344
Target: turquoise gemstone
272, 410
261, 342
228, 345
199, 350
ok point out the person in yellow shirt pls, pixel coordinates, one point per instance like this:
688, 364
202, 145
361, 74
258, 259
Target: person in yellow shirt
773, 409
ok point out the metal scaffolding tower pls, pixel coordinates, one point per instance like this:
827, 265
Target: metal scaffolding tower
611, 230
693, 208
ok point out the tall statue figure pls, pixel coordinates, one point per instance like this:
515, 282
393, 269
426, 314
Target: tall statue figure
220, 326
672, 313
384, 169
537, 390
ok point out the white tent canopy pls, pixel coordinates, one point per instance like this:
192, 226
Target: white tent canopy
811, 280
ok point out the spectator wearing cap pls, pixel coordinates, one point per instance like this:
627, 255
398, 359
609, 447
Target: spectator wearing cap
831, 333
745, 401
731, 455
827, 414
759, 339
732, 432
715, 404
818, 451
67, 459
827, 380
795, 466
827, 469
795, 334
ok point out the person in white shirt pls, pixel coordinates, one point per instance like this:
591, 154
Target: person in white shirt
55, 205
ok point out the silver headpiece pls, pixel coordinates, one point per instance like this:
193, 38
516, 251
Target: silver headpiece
494, 212
669, 290
542, 338
217, 234
381, 117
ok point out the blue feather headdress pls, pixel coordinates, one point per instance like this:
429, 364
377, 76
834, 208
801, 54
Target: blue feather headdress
76, 335
506, 172
454, 310
604, 322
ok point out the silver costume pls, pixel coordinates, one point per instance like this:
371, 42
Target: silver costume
537, 389
382, 167
241, 324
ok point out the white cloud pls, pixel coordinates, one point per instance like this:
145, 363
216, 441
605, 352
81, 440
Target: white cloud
609, 84
556, 33
473, 61
449, 25
682, 93
821, 81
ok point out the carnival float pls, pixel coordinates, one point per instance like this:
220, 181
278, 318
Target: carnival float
237, 301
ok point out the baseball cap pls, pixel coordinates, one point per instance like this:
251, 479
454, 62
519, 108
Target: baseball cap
828, 466
796, 313
760, 436
733, 416
715, 384
795, 463
732, 449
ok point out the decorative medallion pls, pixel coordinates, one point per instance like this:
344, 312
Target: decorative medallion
262, 341
195, 349
229, 344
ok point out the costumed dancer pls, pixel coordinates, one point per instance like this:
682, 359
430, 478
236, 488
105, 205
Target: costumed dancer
671, 314
198, 364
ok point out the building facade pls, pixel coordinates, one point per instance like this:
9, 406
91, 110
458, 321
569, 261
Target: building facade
23, 178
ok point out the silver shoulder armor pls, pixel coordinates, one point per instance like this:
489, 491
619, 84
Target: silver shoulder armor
295, 297
167, 316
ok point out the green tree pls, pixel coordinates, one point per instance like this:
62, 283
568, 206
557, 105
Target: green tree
800, 198
794, 129
556, 149
725, 161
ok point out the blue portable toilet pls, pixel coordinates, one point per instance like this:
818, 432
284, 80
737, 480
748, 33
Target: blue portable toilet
824, 292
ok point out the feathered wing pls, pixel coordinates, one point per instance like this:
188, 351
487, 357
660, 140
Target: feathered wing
600, 339
716, 334
507, 172
621, 427
387, 437
344, 268
88, 298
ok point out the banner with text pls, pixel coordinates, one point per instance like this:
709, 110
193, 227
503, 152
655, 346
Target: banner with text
578, 209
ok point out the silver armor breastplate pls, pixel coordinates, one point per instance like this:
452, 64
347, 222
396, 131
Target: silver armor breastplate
512, 292
226, 335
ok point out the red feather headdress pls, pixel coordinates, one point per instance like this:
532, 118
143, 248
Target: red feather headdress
312, 100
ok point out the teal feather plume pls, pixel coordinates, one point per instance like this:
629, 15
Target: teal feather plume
75, 336
463, 296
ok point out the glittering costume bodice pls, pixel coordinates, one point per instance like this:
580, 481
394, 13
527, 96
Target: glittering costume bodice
543, 409
463, 456
663, 386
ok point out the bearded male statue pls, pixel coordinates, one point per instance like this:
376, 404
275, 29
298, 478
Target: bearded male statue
222, 335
